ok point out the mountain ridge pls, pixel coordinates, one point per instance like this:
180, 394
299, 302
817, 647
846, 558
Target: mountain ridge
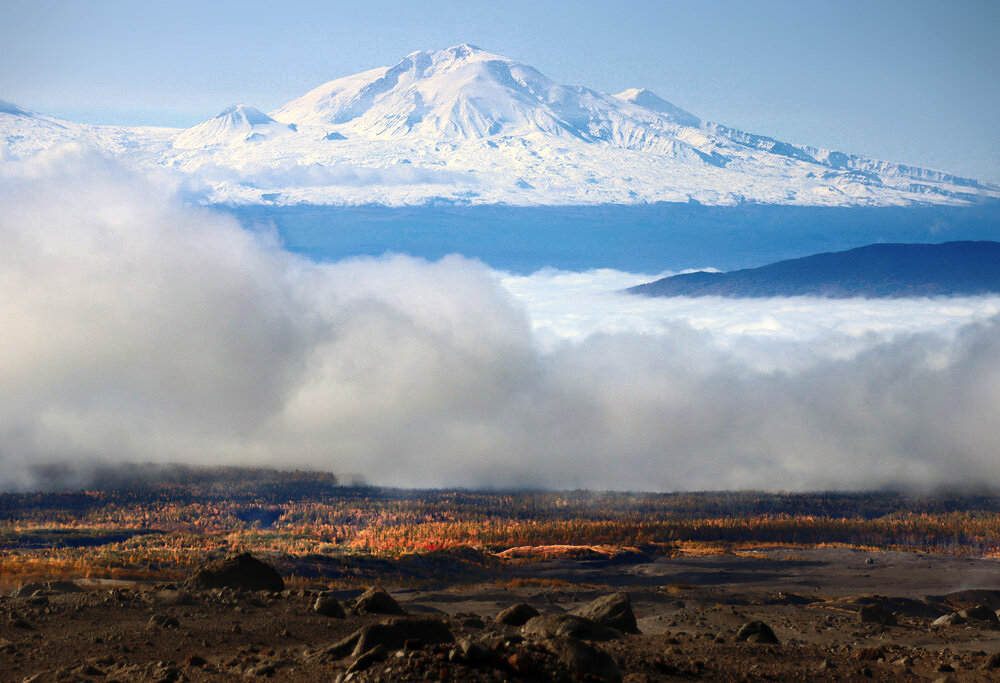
960, 268
467, 126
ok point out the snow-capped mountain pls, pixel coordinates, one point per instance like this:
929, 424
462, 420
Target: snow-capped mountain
465, 125
234, 126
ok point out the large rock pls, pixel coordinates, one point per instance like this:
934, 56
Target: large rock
614, 611
366, 660
377, 601
981, 613
474, 652
517, 615
953, 619
566, 626
329, 606
757, 632
391, 634
583, 659
236, 571
27, 590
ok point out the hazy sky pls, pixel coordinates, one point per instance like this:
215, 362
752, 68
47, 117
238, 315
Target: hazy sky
912, 81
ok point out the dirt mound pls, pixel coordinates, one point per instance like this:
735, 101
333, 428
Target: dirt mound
236, 571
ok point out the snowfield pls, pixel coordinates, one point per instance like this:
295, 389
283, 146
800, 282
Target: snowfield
466, 126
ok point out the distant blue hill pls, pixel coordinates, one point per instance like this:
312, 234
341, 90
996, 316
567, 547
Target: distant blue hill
874, 271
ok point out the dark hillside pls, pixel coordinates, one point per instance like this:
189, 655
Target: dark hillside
874, 271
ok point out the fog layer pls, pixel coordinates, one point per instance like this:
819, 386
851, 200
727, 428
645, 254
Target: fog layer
138, 329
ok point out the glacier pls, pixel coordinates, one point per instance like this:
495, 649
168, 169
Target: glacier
464, 126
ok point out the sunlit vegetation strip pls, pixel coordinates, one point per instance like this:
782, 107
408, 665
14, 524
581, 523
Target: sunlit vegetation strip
158, 524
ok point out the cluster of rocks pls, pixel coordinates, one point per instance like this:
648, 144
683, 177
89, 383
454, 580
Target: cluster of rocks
519, 642
981, 615
375, 600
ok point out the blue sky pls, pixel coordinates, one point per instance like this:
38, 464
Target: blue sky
906, 80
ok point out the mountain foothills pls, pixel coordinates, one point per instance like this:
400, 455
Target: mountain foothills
462, 125
874, 271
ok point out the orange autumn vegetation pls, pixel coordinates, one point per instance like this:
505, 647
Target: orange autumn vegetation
159, 527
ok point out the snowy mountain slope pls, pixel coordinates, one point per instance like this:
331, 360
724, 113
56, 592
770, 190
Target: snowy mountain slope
24, 133
465, 125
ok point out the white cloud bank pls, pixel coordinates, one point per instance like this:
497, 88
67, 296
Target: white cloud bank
135, 329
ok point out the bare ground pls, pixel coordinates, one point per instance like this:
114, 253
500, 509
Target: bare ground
689, 610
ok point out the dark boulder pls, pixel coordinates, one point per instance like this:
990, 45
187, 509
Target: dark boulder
953, 619
329, 606
392, 634
517, 615
566, 626
173, 597
377, 601
613, 611
27, 590
366, 660
469, 620
982, 614
757, 632
236, 571
474, 652
583, 660
877, 614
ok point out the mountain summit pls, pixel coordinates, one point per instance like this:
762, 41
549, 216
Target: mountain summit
462, 92
235, 125
465, 125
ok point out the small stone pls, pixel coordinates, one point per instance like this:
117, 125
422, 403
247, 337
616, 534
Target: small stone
163, 621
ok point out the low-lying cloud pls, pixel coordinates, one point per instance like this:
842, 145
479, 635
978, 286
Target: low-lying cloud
138, 329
